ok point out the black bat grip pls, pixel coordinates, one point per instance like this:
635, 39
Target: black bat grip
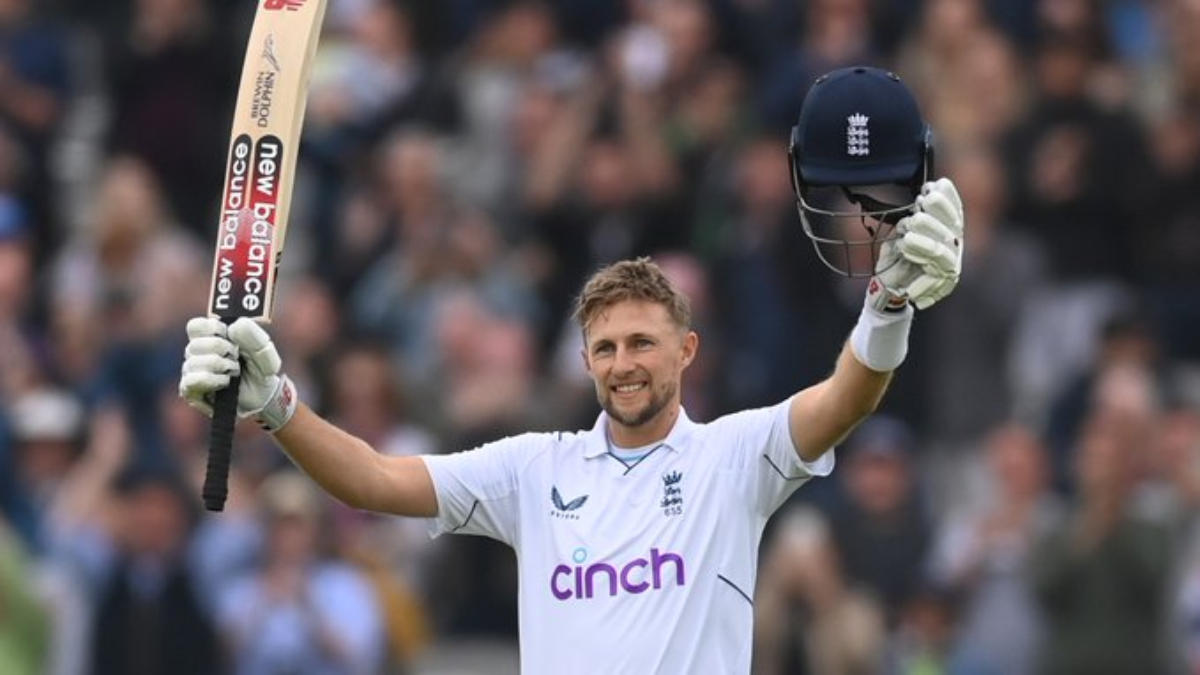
220, 446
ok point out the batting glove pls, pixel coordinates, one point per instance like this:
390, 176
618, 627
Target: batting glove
888, 289
923, 265
216, 352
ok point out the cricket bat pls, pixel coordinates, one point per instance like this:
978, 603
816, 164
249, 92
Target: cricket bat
263, 148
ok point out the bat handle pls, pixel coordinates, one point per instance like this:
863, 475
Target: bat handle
220, 446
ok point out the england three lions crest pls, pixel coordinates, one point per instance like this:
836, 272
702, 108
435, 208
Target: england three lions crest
858, 136
672, 500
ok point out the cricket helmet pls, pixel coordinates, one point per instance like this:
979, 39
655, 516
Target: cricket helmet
858, 154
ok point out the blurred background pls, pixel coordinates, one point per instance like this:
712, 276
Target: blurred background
1023, 503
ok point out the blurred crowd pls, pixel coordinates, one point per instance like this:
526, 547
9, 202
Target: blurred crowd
1024, 501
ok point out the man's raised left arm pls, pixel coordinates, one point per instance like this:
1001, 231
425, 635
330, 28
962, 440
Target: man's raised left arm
916, 269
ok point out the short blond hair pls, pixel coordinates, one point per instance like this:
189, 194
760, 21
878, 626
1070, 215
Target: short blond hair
639, 279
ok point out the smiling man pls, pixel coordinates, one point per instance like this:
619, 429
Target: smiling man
637, 540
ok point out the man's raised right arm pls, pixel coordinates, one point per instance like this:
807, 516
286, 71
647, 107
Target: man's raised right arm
343, 465
354, 472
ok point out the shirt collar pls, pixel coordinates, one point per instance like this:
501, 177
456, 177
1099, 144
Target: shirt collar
596, 440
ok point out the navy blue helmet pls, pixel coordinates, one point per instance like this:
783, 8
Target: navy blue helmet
859, 154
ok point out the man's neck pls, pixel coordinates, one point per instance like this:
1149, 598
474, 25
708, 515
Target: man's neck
653, 431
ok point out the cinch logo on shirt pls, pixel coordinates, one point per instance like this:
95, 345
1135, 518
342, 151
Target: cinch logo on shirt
639, 575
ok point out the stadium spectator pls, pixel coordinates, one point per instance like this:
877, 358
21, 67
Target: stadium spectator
118, 289
38, 76
1006, 267
365, 395
299, 610
170, 78
147, 615
834, 34
809, 618
48, 429
982, 552
25, 630
880, 525
1100, 575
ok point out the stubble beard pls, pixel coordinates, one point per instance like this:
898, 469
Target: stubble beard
658, 402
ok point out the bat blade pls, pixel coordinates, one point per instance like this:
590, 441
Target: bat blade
259, 175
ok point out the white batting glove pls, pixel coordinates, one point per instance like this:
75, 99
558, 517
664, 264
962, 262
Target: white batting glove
888, 289
212, 357
925, 262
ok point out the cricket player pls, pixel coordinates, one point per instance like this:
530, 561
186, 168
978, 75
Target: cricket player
637, 539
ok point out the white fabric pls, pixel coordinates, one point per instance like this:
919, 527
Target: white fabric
630, 570
880, 339
212, 357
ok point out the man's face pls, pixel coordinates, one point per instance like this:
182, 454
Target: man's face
636, 355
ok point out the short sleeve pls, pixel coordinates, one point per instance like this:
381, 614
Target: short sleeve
477, 489
762, 450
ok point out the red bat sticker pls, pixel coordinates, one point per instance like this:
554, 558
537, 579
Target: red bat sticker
289, 5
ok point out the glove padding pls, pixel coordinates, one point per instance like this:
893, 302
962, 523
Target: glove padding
216, 352
924, 262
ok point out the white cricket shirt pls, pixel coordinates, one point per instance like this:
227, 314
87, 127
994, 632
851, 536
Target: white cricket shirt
641, 569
